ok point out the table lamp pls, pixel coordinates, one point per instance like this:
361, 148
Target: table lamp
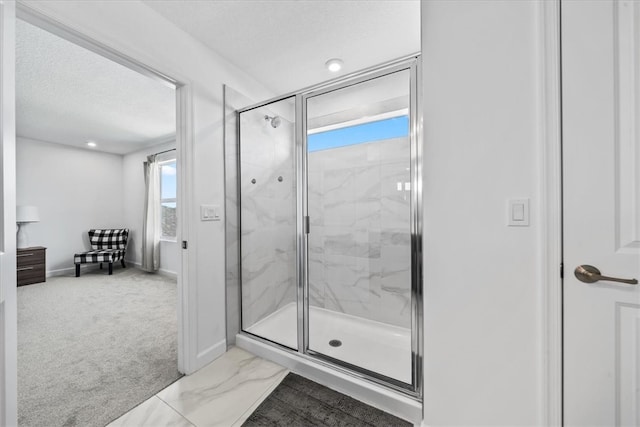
24, 215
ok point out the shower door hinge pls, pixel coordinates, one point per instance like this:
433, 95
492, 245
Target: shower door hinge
306, 224
562, 270
184, 244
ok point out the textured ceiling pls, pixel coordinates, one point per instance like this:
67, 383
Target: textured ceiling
285, 43
68, 95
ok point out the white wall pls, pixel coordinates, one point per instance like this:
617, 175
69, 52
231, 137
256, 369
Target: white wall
169, 257
74, 189
134, 29
133, 193
481, 136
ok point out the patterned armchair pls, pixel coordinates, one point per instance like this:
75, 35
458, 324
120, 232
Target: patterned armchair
107, 246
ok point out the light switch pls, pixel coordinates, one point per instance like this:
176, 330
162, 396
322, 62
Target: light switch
210, 213
518, 213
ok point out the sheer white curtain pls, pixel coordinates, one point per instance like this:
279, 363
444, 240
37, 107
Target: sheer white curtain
151, 223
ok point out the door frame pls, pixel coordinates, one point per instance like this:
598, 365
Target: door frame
550, 211
187, 321
184, 154
8, 291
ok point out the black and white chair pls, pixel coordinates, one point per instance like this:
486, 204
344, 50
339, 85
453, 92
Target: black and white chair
108, 245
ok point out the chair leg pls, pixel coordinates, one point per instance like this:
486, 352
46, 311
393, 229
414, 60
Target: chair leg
122, 262
77, 270
110, 268
100, 266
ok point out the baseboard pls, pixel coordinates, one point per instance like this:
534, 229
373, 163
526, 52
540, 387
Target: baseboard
167, 273
71, 271
210, 354
162, 271
133, 263
61, 272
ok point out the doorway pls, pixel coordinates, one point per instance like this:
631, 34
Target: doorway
175, 202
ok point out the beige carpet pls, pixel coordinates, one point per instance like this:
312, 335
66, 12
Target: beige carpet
93, 347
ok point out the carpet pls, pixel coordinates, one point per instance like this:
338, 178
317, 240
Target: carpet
298, 401
91, 348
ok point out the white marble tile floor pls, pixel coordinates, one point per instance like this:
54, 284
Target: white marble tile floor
223, 393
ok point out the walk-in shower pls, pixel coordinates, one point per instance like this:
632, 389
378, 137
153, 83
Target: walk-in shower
329, 225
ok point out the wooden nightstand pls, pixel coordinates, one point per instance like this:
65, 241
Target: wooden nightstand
31, 265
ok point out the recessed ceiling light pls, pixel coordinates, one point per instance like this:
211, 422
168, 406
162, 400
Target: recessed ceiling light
92, 144
334, 65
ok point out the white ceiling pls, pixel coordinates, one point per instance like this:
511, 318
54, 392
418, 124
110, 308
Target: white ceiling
68, 95
285, 43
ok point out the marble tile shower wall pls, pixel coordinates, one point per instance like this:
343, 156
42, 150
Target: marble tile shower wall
359, 241
268, 215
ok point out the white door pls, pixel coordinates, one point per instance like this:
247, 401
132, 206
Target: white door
8, 334
601, 174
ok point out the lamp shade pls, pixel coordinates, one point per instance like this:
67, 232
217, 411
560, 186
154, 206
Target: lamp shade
27, 214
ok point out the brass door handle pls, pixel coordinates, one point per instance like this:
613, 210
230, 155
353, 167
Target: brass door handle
590, 274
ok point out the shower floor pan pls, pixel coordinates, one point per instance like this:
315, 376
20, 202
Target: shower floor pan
376, 346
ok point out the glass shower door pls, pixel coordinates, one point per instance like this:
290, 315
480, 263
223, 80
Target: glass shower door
359, 263
267, 198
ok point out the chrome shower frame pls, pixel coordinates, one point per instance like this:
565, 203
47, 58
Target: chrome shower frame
411, 63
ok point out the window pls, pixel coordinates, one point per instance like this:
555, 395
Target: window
369, 131
168, 218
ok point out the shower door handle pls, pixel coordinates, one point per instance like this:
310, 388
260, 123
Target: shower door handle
307, 224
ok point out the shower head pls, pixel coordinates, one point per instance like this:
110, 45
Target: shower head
275, 121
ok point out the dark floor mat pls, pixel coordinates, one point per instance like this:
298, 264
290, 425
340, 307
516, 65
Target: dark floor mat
298, 401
